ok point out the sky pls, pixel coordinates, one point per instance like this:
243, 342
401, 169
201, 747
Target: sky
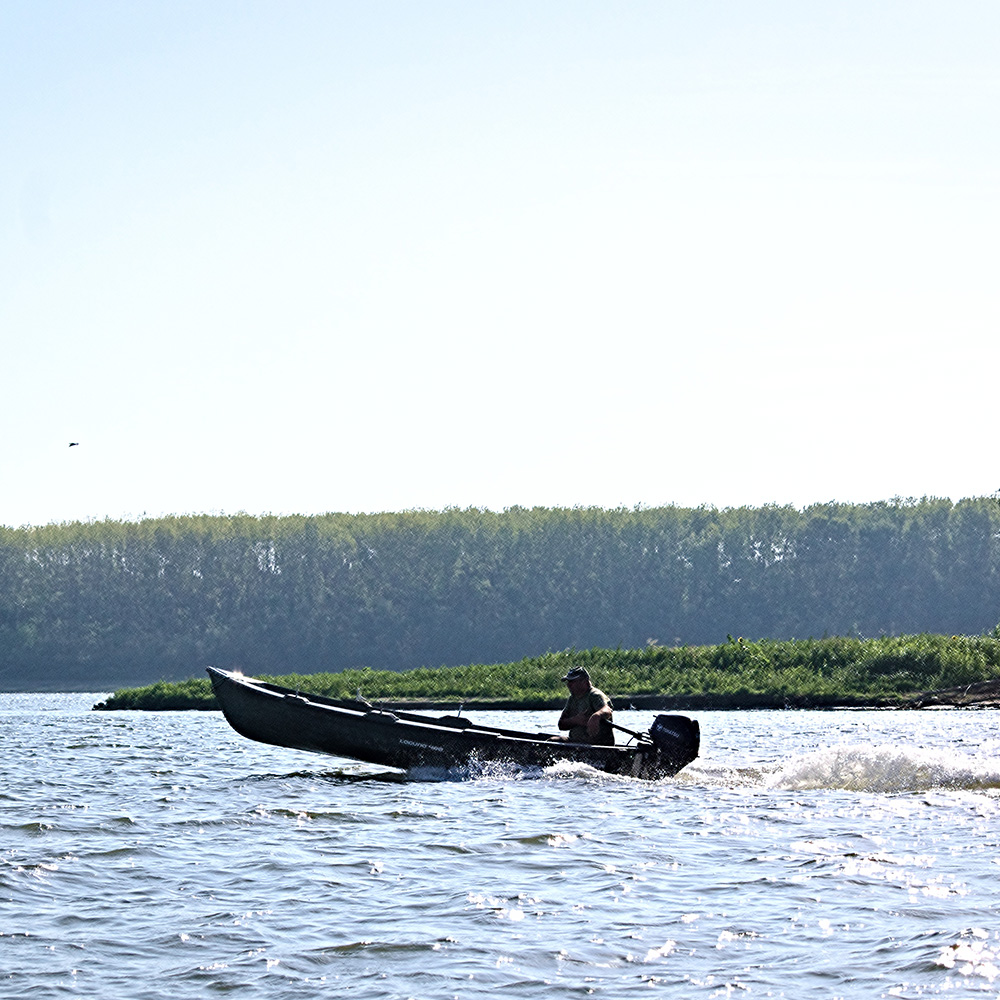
301, 257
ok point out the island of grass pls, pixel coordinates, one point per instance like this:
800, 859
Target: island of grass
889, 672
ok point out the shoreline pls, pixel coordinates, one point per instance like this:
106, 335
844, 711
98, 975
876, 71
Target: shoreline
980, 695
983, 694
890, 673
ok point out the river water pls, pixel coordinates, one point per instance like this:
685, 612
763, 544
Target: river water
159, 856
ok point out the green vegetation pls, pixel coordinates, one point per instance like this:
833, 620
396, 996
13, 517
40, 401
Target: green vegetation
737, 673
92, 607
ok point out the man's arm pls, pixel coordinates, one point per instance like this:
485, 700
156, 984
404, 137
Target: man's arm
594, 721
567, 721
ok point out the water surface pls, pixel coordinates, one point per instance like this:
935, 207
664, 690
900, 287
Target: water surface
806, 854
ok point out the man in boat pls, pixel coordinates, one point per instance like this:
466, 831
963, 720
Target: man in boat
588, 711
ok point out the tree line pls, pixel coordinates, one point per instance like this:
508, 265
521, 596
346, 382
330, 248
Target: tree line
91, 606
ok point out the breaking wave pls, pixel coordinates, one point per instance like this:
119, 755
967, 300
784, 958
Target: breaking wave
886, 768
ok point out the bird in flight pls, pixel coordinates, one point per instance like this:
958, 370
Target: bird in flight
74, 444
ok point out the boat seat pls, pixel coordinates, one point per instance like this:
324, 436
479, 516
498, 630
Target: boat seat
456, 721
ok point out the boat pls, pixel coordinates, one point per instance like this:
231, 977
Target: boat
281, 716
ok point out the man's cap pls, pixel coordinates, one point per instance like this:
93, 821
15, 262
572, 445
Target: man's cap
576, 674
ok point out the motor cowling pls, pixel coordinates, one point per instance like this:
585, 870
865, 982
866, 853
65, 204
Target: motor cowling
677, 739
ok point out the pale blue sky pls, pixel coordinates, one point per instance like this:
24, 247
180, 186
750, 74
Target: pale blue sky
299, 257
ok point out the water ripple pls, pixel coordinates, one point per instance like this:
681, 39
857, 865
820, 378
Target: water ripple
159, 856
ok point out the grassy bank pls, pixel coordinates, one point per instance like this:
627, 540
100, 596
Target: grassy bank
736, 674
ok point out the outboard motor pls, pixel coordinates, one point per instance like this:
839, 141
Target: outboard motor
677, 738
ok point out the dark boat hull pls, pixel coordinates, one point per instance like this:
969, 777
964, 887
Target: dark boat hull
282, 717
